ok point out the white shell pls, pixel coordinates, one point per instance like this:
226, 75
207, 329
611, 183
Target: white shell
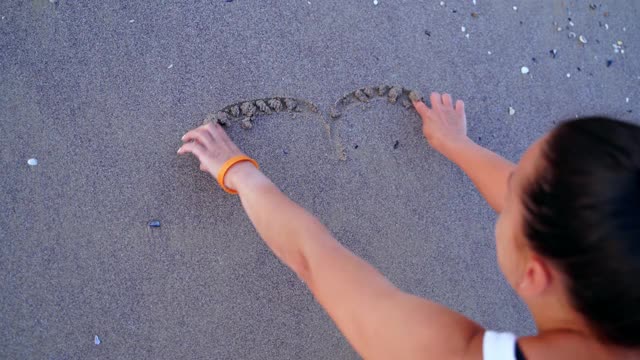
32, 162
511, 111
524, 70
96, 340
582, 39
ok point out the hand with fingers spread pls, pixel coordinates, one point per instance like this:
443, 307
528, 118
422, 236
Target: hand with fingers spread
443, 124
213, 147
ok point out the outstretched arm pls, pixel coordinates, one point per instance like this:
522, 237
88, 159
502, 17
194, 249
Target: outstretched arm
445, 127
380, 321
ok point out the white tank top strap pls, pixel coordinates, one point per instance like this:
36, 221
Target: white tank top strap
498, 346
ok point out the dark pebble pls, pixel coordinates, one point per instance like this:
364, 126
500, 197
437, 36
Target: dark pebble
579, 69
154, 223
355, 146
534, 60
609, 63
455, 11
396, 144
427, 32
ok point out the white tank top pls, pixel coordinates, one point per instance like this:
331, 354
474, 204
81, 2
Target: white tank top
498, 346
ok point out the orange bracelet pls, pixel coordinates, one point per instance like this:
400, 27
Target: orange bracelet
227, 165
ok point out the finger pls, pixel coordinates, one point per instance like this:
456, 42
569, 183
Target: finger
460, 106
194, 148
200, 135
446, 100
436, 99
422, 109
210, 129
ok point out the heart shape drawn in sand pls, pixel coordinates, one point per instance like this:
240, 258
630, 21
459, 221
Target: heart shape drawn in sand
245, 112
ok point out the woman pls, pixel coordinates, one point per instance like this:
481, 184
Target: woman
568, 242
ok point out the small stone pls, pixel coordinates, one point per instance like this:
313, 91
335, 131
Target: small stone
582, 39
489, 52
511, 111
369, 92
441, 3
553, 53
96, 340
515, 8
131, 21
394, 94
414, 96
466, 35
427, 32
275, 104
360, 95
593, 6
32, 162
463, 29
571, 24
571, 35
606, 26
153, 224
609, 63
222, 118
475, 15
248, 108
559, 29
290, 104
263, 107
396, 144
524, 70
234, 111
246, 123
626, 100
375, 2
170, 66
568, 75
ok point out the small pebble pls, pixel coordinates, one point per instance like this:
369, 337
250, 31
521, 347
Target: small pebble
572, 35
511, 111
606, 26
568, 75
441, 3
132, 21
571, 24
553, 53
524, 70
463, 29
96, 340
170, 66
515, 8
466, 35
489, 52
153, 223
559, 29
32, 162
626, 100
396, 144
375, 2
609, 63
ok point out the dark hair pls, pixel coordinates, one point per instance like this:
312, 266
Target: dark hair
582, 212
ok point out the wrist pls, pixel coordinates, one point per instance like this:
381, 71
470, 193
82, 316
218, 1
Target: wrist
242, 174
450, 148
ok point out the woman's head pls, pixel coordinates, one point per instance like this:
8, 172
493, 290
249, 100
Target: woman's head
572, 219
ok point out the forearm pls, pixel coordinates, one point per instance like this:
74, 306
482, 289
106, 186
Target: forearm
488, 170
295, 236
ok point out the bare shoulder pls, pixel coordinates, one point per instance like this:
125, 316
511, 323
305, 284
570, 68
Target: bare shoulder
567, 345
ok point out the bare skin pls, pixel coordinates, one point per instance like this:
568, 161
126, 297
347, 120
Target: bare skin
379, 320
